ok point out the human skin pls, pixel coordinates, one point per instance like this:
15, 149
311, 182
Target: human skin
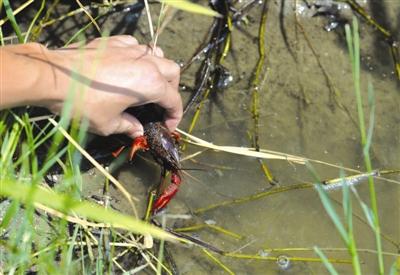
107, 75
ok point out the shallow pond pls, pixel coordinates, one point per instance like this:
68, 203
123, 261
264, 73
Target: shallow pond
307, 108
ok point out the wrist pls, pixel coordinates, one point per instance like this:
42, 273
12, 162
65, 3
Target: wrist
29, 78
52, 82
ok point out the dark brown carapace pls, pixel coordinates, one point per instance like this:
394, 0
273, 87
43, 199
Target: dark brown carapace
163, 145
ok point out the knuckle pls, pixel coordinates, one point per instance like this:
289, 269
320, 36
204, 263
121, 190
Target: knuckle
133, 40
127, 39
143, 48
175, 68
153, 74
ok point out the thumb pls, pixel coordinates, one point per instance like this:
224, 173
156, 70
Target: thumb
129, 125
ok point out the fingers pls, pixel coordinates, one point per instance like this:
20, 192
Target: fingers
127, 41
129, 125
124, 40
117, 41
172, 103
168, 68
153, 78
157, 51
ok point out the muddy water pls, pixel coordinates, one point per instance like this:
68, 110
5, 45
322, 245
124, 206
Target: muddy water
298, 115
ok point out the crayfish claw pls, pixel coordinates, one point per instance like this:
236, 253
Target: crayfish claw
168, 193
165, 198
139, 143
117, 152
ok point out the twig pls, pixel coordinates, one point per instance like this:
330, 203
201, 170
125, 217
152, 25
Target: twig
273, 191
294, 259
218, 262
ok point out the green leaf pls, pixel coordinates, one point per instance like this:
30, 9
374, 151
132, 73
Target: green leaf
395, 268
371, 104
369, 214
14, 24
70, 253
66, 204
325, 261
191, 7
326, 201
10, 214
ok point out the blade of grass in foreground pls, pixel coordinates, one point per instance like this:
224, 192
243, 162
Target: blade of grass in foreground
14, 24
345, 230
65, 204
353, 43
347, 235
325, 260
191, 7
38, 13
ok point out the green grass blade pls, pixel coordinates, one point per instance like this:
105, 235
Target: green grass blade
8, 147
346, 201
9, 215
161, 249
100, 256
356, 77
14, 24
368, 214
395, 268
367, 211
365, 141
66, 204
191, 7
34, 21
80, 32
349, 39
371, 103
326, 201
70, 252
1, 36
325, 261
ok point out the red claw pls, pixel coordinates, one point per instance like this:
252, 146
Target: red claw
139, 143
117, 152
168, 193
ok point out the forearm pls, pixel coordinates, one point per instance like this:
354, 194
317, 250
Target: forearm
105, 77
26, 76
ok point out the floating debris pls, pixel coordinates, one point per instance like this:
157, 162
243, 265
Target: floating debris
337, 183
283, 262
264, 252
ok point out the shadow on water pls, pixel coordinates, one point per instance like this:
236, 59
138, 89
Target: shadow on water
379, 11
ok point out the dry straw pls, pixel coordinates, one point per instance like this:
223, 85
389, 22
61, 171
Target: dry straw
244, 151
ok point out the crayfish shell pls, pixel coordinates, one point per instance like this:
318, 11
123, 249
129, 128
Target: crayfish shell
161, 144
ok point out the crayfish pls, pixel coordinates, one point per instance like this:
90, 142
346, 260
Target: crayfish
163, 145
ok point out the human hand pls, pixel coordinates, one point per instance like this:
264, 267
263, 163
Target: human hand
113, 74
